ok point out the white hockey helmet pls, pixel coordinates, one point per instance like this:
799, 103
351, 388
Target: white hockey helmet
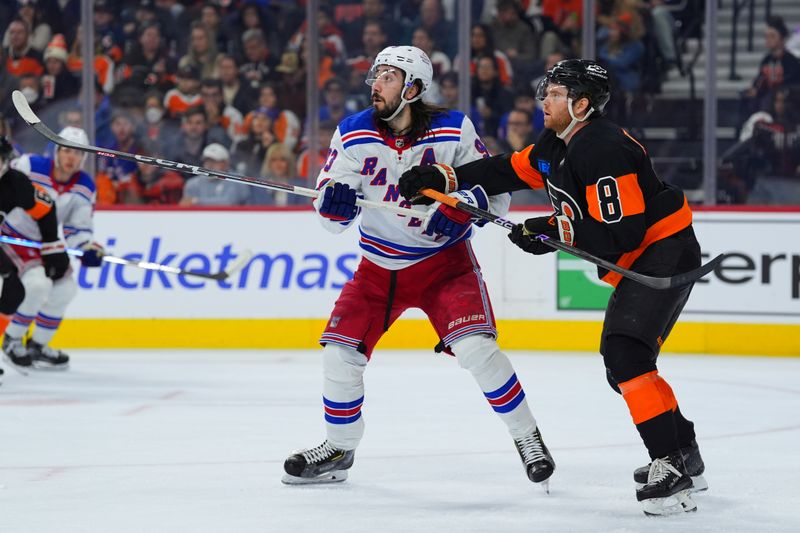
413, 62
73, 134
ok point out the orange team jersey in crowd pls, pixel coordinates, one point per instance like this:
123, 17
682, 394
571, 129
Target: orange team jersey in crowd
175, 102
103, 69
24, 65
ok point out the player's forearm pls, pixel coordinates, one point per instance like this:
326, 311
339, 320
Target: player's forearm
495, 174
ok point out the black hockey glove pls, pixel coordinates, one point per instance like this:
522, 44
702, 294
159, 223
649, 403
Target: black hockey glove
557, 227
54, 259
439, 177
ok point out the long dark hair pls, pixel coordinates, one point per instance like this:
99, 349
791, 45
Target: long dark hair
422, 115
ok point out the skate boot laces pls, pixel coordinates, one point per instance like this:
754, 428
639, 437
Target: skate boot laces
531, 448
319, 453
659, 470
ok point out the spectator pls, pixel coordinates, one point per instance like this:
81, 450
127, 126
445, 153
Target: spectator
371, 11
147, 66
157, 127
40, 32
108, 33
525, 101
31, 87
8, 84
158, 186
235, 93
769, 147
251, 16
482, 44
489, 96
211, 18
21, 59
103, 64
334, 101
278, 166
121, 175
285, 124
517, 39
431, 17
187, 147
324, 136
220, 115
250, 152
373, 40
567, 17
622, 55
186, 95
519, 131
330, 37
259, 64
204, 190
292, 88
426, 42
57, 83
202, 52
779, 68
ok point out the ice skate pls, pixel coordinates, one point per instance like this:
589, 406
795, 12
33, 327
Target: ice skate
323, 464
536, 459
44, 357
14, 352
694, 467
667, 489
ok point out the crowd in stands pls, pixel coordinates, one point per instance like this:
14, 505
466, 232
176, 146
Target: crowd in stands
222, 83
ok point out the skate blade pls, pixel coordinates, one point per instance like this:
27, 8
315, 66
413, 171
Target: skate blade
545, 486
680, 502
22, 370
47, 367
331, 477
699, 484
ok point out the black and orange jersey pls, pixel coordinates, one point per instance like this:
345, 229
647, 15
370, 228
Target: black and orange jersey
16, 190
603, 180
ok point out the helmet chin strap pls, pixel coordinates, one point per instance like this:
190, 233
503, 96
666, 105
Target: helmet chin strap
574, 120
403, 103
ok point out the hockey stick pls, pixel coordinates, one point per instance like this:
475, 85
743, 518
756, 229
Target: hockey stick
240, 262
648, 281
25, 111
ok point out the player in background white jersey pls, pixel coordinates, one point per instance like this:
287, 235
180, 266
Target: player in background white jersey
47, 296
423, 261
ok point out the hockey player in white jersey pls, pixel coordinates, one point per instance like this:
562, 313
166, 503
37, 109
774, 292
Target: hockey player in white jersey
47, 294
423, 261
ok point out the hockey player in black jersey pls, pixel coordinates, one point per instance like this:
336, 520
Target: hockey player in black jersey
609, 202
17, 191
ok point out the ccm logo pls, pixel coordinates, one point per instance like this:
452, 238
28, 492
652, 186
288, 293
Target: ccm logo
465, 319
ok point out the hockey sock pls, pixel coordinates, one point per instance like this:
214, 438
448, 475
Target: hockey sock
495, 376
343, 395
652, 405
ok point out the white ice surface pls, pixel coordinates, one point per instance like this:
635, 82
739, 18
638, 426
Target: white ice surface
194, 441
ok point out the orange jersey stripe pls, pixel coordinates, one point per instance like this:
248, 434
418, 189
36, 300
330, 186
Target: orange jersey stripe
521, 163
629, 136
669, 225
42, 204
629, 194
648, 396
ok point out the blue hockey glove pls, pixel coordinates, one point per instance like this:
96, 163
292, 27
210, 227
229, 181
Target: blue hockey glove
338, 202
450, 221
92, 254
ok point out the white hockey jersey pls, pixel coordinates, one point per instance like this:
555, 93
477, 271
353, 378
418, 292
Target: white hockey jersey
74, 199
372, 164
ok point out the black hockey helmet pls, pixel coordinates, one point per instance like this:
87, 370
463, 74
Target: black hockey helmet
583, 78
